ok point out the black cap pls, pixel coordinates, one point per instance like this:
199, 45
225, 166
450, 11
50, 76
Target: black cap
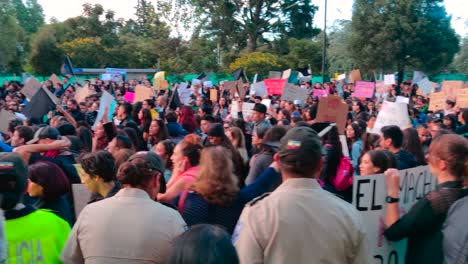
151, 159
45, 132
216, 130
261, 108
13, 179
299, 145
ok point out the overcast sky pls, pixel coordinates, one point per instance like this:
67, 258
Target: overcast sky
337, 9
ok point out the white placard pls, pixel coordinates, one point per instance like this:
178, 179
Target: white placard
246, 109
267, 103
389, 79
106, 101
425, 86
259, 89
392, 114
369, 194
184, 93
402, 99
341, 76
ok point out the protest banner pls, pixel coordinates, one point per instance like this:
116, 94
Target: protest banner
418, 76
320, 92
293, 92
274, 75
5, 117
229, 85
437, 101
184, 93
369, 194
451, 87
425, 86
213, 95
157, 80
81, 197
364, 89
259, 89
392, 114
275, 86
81, 93
31, 87
142, 93
286, 74
389, 79
341, 77
129, 97
462, 98
105, 101
54, 79
354, 76
247, 109
402, 99
332, 109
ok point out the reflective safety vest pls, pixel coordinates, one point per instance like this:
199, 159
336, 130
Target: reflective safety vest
36, 238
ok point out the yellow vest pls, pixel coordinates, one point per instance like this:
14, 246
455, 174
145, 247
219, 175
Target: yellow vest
36, 238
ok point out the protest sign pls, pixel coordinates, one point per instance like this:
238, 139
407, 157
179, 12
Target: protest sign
229, 85
462, 98
451, 87
364, 89
380, 89
369, 194
142, 93
293, 92
354, 76
129, 97
213, 95
267, 103
341, 77
392, 114
274, 75
320, 92
275, 86
157, 80
39, 105
81, 197
259, 89
247, 109
208, 84
332, 109
402, 99
425, 86
52, 96
196, 82
389, 79
184, 93
5, 117
437, 101
106, 101
164, 84
31, 87
418, 76
241, 90
81, 93
54, 79
344, 146
286, 74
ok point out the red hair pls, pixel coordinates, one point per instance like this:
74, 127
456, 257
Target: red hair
187, 119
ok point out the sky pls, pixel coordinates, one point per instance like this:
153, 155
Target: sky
336, 9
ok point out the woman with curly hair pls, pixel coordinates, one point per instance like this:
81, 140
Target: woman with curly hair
215, 197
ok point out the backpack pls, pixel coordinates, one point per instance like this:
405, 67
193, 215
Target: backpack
344, 174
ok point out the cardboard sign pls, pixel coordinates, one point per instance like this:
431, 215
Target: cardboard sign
274, 75
293, 92
364, 89
451, 87
142, 93
275, 86
229, 85
437, 101
164, 84
31, 87
54, 79
241, 90
81, 93
246, 109
341, 77
213, 95
5, 117
392, 114
320, 92
332, 109
259, 89
425, 86
462, 98
157, 80
389, 79
354, 76
369, 194
286, 74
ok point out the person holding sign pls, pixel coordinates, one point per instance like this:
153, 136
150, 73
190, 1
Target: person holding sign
422, 224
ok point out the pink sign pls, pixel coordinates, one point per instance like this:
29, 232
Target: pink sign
364, 89
320, 92
129, 97
275, 86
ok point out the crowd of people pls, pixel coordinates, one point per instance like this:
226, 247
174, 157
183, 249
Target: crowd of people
196, 183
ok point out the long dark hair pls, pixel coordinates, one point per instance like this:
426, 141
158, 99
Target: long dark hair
334, 149
145, 122
412, 144
163, 133
51, 178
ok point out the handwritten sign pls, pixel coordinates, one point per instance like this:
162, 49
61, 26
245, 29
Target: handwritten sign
462, 98
369, 194
392, 114
437, 101
320, 92
293, 92
389, 79
142, 93
275, 86
364, 89
31, 87
247, 109
332, 109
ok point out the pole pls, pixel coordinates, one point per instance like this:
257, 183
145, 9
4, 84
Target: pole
324, 48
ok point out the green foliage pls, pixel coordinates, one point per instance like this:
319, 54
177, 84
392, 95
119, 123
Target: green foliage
30, 16
86, 52
401, 33
46, 56
11, 39
460, 63
303, 52
300, 15
339, 57
148, 23
257, 62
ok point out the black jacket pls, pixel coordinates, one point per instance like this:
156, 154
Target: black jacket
405, 160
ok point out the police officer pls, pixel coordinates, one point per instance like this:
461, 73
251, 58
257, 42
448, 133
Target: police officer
300, 222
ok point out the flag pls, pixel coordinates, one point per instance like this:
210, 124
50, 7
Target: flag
304, 71
202, 76
39, 105
239, 73
175, 100
67, 68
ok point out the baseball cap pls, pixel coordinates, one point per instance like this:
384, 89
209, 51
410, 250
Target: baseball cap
45, 132
152, 160
13, 179
261, 108
300, 146
216, 130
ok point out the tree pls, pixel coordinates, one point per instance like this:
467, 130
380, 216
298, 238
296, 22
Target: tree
46, 57
303, 52
11, 36
460, 63
30, 16
85, 52
400, 33
339, 56
148, 22
300, 15
257, 62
